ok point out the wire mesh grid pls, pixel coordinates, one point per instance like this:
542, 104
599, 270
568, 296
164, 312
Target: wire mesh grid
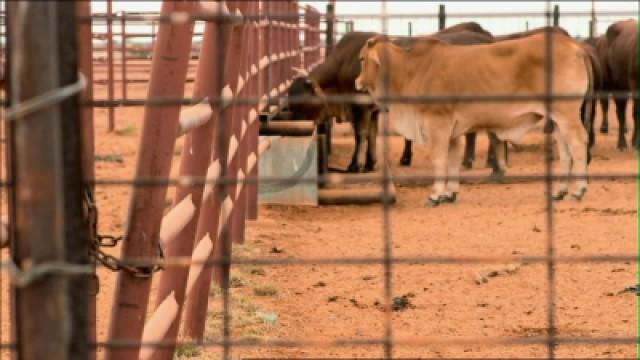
223, 106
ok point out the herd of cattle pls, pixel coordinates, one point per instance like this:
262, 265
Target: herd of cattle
465, 60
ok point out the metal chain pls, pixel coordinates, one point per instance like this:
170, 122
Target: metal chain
99, 241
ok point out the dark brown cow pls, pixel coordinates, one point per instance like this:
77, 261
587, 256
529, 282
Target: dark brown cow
617, 51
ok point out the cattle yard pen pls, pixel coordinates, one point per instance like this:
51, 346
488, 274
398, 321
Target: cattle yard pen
199, 78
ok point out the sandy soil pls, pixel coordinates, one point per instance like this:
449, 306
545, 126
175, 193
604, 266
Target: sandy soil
342, 302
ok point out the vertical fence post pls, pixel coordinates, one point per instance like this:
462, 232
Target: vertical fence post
85, 63
123, 51
330, 17
556, 15
46, 164
153, 34
410, 29
195, 160
160, 127
442, 17
216, 211
110, 77
260, 86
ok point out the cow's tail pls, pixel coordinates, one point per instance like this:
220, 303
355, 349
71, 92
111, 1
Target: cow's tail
589, 103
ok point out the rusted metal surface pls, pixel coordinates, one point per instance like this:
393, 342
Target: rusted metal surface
213, 219
196, 158
160, 128
85, 63
47, 193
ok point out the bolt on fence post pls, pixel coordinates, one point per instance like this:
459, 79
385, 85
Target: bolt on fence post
46, 196
442, 17
160, 128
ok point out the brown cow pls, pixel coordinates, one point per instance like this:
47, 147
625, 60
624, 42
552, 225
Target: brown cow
516, 67
617, 51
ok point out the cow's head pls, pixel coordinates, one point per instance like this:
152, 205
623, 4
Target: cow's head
370, 65
295, 102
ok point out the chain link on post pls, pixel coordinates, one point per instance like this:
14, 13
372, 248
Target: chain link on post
99, 241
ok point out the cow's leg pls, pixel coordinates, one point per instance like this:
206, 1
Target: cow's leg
372, 136
496, 155
577, 140
564, 154
407, 153
469, 150
453, 169
587, 119
354, 167
621, 112
604, 104
439, 158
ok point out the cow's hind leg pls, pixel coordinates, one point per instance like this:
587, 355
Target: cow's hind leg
439, 158
496, 156
576, 138
604, 104
621, 112
453, 170
407, 153
372, 136
564, 154
469, 150
357, 123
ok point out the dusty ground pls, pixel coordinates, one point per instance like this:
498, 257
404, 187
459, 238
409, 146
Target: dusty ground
341, 302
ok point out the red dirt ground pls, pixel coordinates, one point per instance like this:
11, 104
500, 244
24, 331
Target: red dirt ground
338, 302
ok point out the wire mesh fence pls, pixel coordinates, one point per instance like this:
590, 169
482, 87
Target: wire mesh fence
247, 53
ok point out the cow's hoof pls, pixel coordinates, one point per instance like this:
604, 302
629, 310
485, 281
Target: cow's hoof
467, 164
354, 168
370, 167
405, 161
449, 199
559, 195
431, 202
604, 130
578, 195
496, 175
622, 146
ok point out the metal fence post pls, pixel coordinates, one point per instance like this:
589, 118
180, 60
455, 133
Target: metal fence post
195, 159
160, 128
46, 164
85, 63
556, 15
330, 16
442, 17
215, 212
123, 51
110, 77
